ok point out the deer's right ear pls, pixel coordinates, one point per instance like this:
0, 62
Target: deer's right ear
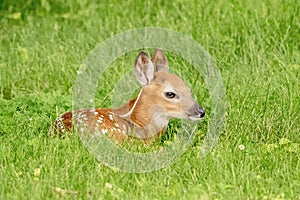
143, 69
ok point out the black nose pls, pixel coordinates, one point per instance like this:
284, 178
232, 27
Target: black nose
202, 113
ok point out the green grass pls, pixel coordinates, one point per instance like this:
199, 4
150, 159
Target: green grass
256, 47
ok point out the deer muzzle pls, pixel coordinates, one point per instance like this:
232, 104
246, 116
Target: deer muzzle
196, 112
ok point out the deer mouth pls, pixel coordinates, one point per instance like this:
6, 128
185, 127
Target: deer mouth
195, 118
197, 115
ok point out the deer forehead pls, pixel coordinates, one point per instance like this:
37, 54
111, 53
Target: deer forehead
170, 82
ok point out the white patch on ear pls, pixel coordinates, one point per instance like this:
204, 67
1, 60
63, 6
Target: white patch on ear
144, 69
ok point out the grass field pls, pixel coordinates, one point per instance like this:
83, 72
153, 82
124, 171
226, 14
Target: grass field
256, 47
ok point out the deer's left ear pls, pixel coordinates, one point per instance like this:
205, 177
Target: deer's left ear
143, 69
159, 60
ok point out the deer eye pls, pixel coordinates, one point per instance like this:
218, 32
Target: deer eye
170, 95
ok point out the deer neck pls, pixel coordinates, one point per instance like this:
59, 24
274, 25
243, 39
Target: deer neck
147, 120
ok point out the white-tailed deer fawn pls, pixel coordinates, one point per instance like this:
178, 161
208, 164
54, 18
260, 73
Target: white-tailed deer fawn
163, 96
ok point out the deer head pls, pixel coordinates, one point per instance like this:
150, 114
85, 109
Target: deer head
163, 96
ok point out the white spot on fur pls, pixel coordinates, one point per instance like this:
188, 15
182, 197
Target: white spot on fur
110, 117
104, 131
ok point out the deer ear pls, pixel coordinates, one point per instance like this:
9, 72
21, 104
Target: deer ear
159, 60
144, 69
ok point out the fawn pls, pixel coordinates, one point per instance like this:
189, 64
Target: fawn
162, 96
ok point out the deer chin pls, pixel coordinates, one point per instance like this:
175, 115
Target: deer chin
185, 116
194, 118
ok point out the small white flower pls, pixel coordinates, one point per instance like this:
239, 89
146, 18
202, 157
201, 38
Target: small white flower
30, 119
108, 185
241, 147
